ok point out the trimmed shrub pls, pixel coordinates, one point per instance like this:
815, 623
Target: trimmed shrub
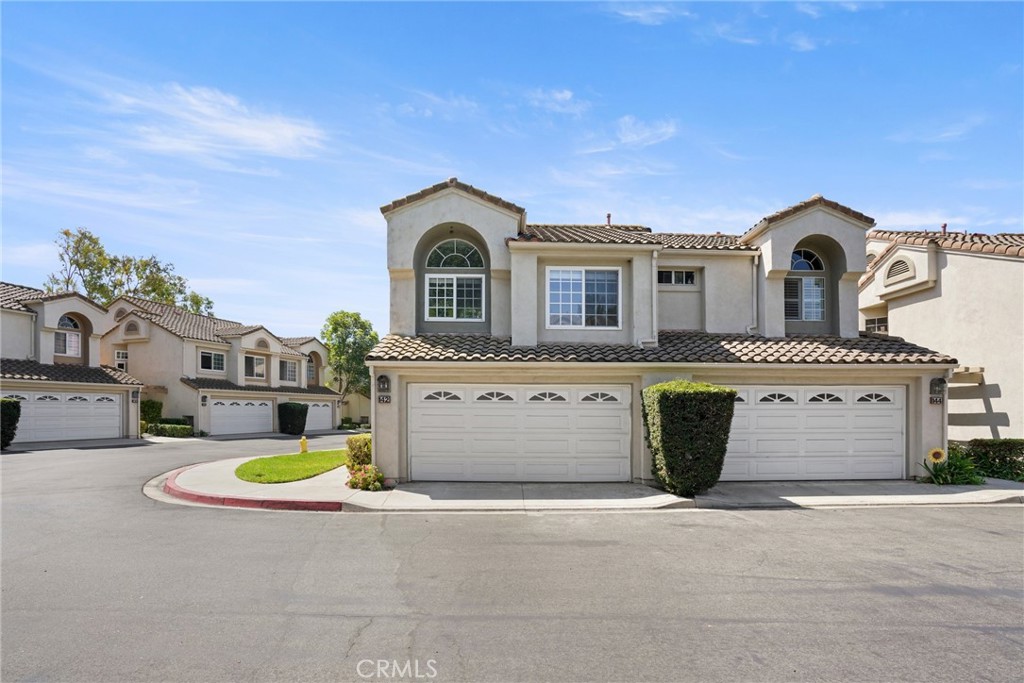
176, 431
151, 411
687, 431
365, 478
360, 450
10, 413
292, 417
998, 458
172, 421
143, 426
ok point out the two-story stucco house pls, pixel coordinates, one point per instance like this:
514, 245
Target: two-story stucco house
518, 352
51, 363
227, 376
965, 293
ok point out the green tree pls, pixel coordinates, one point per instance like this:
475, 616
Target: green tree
349, 338
87, 267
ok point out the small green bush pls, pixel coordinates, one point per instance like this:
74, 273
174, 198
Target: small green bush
365, 478
292, 417
360, 449
143, 427
151, 410
998, 458
956, 469
10, 413
172, 421
688, 427
176, 431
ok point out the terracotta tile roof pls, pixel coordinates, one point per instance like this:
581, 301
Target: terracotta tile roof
816, 200
1006, 243
208, 384
296, 342
12, 295
674, 347
715, 241
584, 234
180, 322
456, 183
11, 368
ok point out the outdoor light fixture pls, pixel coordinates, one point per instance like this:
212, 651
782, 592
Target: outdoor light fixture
135, 395
203, 400
383, 384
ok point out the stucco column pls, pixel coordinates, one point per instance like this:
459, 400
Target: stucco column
773, 314
524, 299
849, 316
384, 424
403, 301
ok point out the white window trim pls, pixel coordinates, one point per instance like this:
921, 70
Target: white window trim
254, 364
295, 370
455, 276
199, 361
680, 269
68, 336
584, 269
800, 300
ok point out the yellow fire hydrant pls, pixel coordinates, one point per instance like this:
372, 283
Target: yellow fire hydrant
302, 445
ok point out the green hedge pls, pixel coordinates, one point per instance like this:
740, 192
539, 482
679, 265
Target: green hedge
688, 427
10, 413
998, 458
177, 431
360, 450
292, 417
172, 421
150, 411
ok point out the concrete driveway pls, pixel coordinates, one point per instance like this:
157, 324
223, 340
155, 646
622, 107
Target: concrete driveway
101, 583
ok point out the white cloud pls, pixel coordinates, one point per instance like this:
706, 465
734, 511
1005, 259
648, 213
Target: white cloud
800, 42
562, 101
931, 133
989, 184
649, 14
634, 133
38, 255
448, 107
731, 33
810, 9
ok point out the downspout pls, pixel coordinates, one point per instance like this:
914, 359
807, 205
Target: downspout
752, 328
32, 340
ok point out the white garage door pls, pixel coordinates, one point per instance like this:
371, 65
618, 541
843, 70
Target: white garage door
60, 416
519, 432
781, 433
319, 417
241, 416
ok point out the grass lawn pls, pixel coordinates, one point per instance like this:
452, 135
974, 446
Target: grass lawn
278, 469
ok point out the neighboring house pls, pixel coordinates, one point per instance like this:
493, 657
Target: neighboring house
227, 377
965, 294
518, 352
50, 362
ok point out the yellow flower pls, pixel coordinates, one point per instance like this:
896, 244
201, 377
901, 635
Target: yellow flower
936, 455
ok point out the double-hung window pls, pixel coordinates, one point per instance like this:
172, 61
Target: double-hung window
804, 294
454, 294
67, 341
310, 372
583, 297
121, 360
289, 370
255, 367
211, 360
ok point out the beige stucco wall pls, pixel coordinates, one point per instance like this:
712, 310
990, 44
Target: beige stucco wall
356, 407
17, 335
49, 314
722, 300
975, 312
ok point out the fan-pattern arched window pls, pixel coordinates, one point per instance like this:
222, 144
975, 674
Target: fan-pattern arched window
67, 341
451, 297
804, 295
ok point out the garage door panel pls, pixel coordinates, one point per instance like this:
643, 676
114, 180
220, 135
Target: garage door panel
241, 416
62, 416
519, 433
839, 433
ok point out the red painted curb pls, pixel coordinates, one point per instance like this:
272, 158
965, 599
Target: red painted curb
172, 488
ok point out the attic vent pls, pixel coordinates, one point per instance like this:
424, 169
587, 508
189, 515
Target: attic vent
899, 270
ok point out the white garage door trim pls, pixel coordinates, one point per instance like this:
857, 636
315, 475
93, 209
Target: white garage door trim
319, 417
67, 415
241, 415
503, 432
817, 432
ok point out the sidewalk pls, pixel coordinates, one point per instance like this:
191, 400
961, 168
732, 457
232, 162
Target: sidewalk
215, 483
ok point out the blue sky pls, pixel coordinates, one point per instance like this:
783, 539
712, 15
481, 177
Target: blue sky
251, 145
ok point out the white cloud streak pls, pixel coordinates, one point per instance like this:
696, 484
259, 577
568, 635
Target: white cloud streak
560, 101
935, 133
649, 14
634, 133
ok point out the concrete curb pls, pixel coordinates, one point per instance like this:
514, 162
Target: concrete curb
172, 488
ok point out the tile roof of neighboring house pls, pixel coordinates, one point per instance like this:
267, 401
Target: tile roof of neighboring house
12, 297
208, 384
715, 241
11, 369
816, 200
182, 323
1008, 244
627, 234
674, 347
456, 183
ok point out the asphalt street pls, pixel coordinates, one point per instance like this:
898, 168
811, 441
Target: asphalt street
100, 583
